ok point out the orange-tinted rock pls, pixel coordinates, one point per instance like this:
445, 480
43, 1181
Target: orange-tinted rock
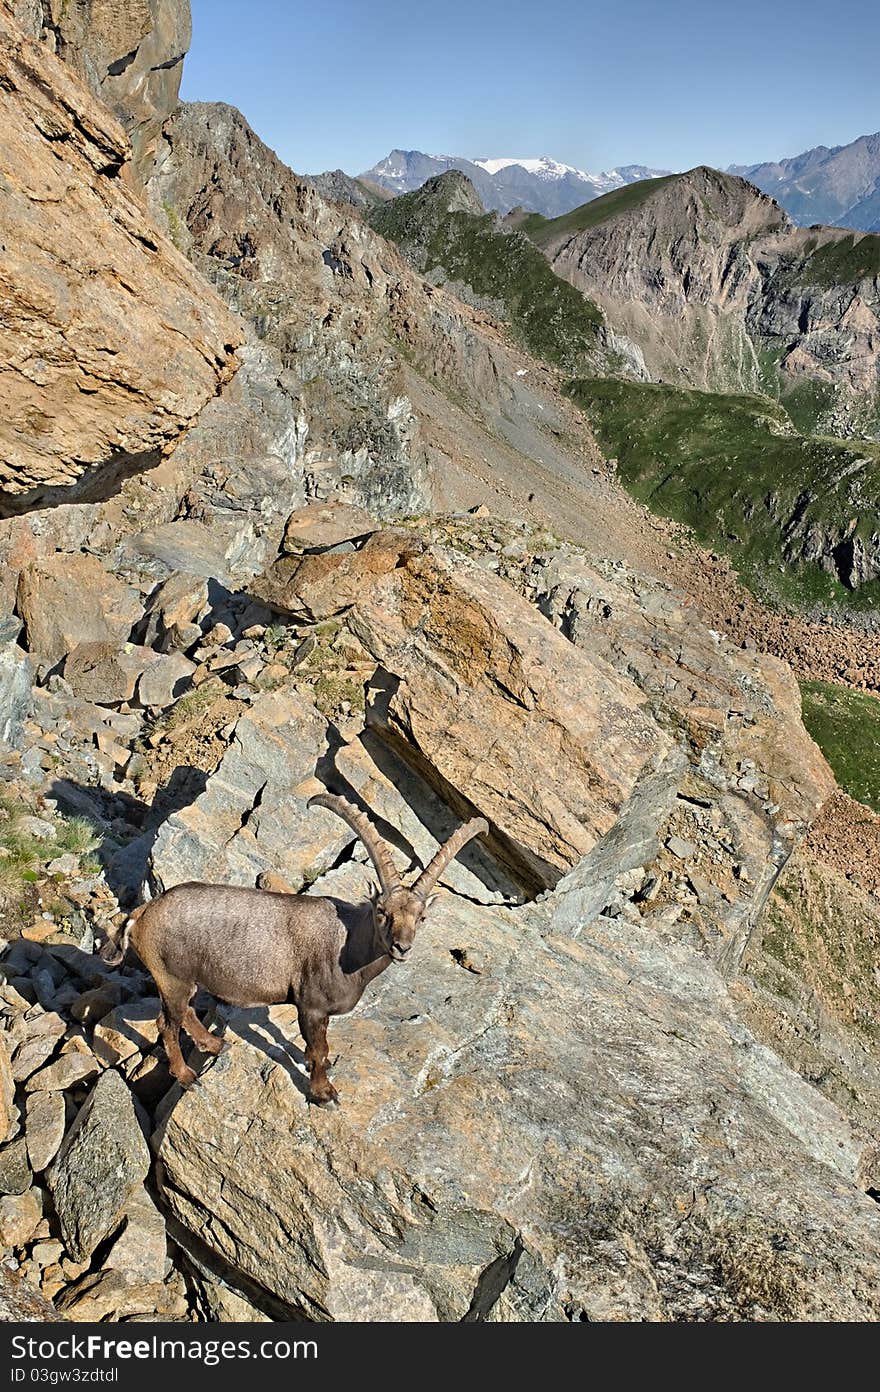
111, 343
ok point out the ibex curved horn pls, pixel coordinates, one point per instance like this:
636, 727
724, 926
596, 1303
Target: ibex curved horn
432, 872
358, 821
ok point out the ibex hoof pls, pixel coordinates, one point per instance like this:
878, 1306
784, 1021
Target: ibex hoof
186, 1077
328, 1098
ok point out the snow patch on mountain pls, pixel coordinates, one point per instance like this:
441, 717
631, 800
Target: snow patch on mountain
544, 166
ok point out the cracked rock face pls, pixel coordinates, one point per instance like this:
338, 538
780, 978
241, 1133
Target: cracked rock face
129, 52
111, 341
504, 1148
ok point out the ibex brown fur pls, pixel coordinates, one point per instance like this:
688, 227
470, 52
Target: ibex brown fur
256, 947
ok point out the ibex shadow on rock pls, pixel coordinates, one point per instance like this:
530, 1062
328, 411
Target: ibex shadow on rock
262, 947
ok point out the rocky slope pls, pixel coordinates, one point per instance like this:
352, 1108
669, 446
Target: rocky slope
839, 185
733, 468
110, 344
130, 55
445, 234
488, 1060
710, 278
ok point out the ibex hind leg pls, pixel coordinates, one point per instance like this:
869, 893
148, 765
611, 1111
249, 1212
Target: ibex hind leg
203, 1038
175, 996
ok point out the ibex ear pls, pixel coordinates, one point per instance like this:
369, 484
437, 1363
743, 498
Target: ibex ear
430, 900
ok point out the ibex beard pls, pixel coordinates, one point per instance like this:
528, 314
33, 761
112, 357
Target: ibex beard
267, 946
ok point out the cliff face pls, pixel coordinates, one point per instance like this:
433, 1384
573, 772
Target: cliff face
130, 55
111, 341
721, 292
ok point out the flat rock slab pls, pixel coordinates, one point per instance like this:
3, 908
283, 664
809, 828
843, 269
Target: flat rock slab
555, 1138
104, 1157
485, 697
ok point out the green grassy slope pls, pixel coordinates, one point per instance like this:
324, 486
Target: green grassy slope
846, 726
547, 315
846, 262
544, 230
734, 469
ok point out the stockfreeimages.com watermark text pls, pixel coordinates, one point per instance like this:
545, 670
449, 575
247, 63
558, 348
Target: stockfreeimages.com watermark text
93, 1348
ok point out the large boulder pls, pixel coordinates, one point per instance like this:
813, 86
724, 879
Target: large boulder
102, 1161
111, 342
69, 601
486, 699
566, 1130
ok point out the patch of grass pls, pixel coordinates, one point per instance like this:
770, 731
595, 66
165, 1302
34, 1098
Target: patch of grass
846, 726
190, 706
24, 856
736, 471
547, 315
334, 690
543, 230
175, 226
845, 262
76, 835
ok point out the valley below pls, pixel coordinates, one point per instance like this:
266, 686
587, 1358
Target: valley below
570, 523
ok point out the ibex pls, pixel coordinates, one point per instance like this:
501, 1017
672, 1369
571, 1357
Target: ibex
256, 947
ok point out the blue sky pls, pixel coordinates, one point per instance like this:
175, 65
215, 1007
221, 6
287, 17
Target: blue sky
674, 83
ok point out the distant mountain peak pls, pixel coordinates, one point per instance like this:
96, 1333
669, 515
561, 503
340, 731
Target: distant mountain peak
540, 184
837, 184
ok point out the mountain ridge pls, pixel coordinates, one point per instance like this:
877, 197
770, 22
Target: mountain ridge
837, 184
542, 185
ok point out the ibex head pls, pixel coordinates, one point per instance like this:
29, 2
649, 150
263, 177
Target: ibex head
397, 910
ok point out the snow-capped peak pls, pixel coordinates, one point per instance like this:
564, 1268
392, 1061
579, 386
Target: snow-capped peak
544, 167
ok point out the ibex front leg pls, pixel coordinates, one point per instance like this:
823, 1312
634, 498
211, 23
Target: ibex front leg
313, 1028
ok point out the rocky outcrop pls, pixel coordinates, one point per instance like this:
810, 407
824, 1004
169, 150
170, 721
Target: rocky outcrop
68, 601
338, 187
509, 1141
315, 284
112, 343
511, 1158
708, 276
130, 55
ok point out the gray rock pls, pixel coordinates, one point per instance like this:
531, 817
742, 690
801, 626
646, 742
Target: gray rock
8, 1113
44, 1128
16, 678
140, 1253
164, 680
252, 815
504, 1148
20, 1215
103, 1158
65, 1072
41, 1037
681, 849
15, 1174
